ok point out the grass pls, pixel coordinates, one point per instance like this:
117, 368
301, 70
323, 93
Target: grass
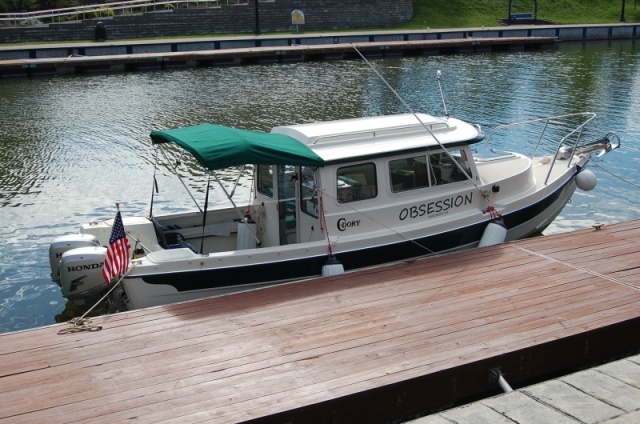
478, 13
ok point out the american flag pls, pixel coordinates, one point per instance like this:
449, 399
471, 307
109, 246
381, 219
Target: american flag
117, 260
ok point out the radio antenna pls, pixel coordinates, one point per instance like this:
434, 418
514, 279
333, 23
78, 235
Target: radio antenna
446, 112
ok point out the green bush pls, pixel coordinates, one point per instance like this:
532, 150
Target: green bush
67, 18
104, 12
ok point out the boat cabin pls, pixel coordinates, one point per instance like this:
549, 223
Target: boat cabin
373, 166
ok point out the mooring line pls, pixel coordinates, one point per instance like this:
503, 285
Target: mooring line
614, 175
83, 323
576, 267
79, 324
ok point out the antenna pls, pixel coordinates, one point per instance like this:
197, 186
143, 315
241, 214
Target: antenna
446, 112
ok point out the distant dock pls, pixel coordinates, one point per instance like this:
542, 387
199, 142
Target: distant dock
383, 344
121, 57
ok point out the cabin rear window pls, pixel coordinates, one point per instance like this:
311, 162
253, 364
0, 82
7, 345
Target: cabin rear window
265, 180
357, 182
308, 194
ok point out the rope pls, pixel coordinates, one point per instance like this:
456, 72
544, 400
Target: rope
79, 324
493, 213
616, 176
323, 223
82, 323
576, 267
261, 219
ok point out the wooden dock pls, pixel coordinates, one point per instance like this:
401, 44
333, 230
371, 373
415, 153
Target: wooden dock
385, 344
194, 56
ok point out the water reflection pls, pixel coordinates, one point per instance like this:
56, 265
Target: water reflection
75, 145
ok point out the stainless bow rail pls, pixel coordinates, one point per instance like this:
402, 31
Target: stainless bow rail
571, 143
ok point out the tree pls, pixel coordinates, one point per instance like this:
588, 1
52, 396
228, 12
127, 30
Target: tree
25, 4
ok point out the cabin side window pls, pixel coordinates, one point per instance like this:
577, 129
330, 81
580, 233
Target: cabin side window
410, 174
265, 180
357, 182
308, 194
444, 168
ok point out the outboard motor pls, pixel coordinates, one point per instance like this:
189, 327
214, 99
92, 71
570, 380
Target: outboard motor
63, 244
81, 277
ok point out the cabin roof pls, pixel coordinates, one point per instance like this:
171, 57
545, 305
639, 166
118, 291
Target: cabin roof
371, 136
314, 144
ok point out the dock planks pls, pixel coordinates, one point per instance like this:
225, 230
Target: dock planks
373, 345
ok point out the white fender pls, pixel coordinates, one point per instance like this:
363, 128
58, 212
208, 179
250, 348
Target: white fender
495, 233
332, 267
246, 235
586, 180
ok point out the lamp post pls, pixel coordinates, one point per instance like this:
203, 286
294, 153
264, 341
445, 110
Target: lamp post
257, 30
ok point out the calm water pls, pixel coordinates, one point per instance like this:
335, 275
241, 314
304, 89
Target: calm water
73, 146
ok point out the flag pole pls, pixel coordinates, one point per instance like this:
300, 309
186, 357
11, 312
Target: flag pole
82, 323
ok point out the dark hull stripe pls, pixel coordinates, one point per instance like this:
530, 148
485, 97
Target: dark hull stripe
312, 266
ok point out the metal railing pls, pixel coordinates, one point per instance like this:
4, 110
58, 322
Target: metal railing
569, 130
570, 139
107, 10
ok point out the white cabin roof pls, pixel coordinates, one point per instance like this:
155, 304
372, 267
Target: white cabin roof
350, 138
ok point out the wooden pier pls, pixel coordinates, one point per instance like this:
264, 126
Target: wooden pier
193, 54
385, 344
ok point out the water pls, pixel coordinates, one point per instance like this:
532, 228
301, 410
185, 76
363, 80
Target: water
73, 146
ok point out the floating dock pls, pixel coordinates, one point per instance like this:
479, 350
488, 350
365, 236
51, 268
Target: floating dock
379, 345
608, 394
101, 57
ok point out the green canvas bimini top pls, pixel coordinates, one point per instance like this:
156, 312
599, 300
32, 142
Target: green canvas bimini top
217, 146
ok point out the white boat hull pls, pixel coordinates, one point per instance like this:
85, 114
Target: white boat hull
260, 268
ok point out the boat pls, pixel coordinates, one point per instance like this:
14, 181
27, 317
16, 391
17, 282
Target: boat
328, 198
333, 197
